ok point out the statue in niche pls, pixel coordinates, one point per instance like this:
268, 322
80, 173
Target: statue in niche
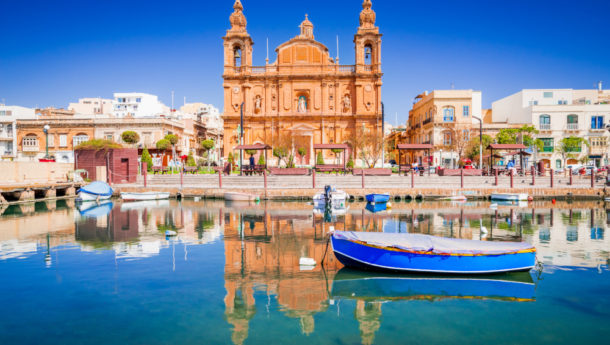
273, 100
257, 103
302, 105
347, 103
330, 102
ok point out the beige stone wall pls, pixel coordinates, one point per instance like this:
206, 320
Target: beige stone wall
34, 172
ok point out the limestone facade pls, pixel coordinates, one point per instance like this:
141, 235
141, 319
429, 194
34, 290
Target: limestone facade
304, 93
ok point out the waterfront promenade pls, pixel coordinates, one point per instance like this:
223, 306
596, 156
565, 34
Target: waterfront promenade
303, 187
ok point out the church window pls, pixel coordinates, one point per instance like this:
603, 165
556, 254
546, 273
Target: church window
368, 54
237, 56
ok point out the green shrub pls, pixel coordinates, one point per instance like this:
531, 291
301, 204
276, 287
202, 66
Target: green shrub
290, 162
230, 159
190, 161
146, 158
320, 158
172, 138
130, 137
261, 160
164, 144
98, 145
250, 152
350, 163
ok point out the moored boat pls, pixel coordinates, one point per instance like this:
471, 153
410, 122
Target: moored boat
424, 253
95, 191
332, 196
378, 197
454, 198
128, 196
509, 197
236, 196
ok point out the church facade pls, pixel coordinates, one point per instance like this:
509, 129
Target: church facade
304, 94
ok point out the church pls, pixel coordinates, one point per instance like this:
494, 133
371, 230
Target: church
304, 94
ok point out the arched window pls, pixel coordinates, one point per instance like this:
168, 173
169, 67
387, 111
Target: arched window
79, 139
545, 121
572, 121
368, 54
448, 114
237, 56
447, 138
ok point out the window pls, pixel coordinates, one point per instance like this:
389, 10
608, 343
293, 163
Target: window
466, 110
545, 122
548, 94
597, 122
368, 54
598, 142
562, 102
109, 136
448, 114
6, 112
597, 233
51, 140
63, 140
548, 144
237, 56
30, 141
572, 121
79, 139
138, 100
447, 138
466, 135
558, 164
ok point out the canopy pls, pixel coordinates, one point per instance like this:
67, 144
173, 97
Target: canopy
330, 146
432, 244
253, 147
97, 188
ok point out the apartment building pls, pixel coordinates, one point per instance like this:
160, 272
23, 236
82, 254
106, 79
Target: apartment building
8, 128
136, 104
92, 106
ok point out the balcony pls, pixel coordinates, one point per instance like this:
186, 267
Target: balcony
548, 149
545, 126
572, 126
427, 121
30, 148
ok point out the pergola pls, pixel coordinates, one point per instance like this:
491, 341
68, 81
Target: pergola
504, 147
412, 148
343, 147
256, 147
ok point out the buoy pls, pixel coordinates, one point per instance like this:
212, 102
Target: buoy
553, 201
389, 205
530, 198
170, 233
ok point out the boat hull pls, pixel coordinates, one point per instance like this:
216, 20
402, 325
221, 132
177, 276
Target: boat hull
509, 197
84, 196
366, 257
232, 196
378, 198
144, 196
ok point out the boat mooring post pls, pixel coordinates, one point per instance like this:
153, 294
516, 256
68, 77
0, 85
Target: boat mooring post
462, 177
362, 178
219, 178
145, 172
533, 176
496, 175
571, 178
592, 178
512, 180
551, 171
265, 179
313, 177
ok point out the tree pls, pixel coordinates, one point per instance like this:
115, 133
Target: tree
302, 152
172, 138
190, 160
208, 145
146, 158
282, 147
281, 153
130, 137
261, 160
459, 142
336, 152
250, 152
350, 163
524, 135
163, 144
369, 144
570, 147
320, 159
472, 149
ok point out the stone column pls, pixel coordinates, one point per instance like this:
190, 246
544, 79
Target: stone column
50, 193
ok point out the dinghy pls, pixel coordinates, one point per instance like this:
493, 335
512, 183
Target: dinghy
509, 197
236, 196
332, 196
424, 253
377, 198
127, 196
95, 191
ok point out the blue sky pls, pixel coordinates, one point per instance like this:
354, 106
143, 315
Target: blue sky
53, 52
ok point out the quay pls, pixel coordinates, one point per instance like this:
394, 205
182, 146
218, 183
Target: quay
27, 192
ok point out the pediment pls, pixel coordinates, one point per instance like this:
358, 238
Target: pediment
302, 127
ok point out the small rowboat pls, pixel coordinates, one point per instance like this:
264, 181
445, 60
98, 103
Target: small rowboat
126, 196
95, 191
424, 253
378, 198
236, 196
509, 197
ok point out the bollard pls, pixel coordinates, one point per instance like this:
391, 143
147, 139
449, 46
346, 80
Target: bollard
462, 177
362, 178
593, 178
412, 179
313, 177
571, 181
551, 171
533, 176
512, 184
496, 174
219, 179
265, 179
145, 172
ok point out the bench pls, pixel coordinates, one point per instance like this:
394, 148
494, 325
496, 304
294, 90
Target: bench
253, 169
289, 171
158, 169
191, 170
373, 172
336, 168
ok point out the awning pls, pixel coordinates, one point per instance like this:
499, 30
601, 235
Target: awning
507, 147
415, 146
253, 147
330, 146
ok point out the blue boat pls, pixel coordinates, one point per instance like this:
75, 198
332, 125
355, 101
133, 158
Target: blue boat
379, 286
378, 198
423, 253
376, 207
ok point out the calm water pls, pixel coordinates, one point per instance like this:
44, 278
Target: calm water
108, 275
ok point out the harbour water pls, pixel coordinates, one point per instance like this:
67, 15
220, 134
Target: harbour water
107, 274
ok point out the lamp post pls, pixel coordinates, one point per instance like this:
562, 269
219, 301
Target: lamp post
241, 136
45, 129
480, 141
440, 163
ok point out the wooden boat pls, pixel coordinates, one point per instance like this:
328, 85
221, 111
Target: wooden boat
380, 286
509, 196
424, 253
95, 191
378, 198
236, 196
127, 196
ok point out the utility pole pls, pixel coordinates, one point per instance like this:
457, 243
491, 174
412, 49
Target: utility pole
480, 141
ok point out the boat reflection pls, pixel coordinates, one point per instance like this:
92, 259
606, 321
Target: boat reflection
93, 209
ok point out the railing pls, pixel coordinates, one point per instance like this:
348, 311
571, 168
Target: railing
545, 126
427, 121
548, 149
572, 126
368, 68
347, 68
298, 68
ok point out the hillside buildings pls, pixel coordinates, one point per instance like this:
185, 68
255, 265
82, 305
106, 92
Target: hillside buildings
305, 93
92, 106
136, 104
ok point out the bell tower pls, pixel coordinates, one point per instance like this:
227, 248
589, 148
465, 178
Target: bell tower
368, 41
237, 43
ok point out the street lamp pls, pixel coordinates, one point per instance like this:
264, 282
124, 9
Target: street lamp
45, 129
440, 164
480, 141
